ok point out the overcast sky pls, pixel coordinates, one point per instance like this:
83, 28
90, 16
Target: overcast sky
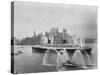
40, 17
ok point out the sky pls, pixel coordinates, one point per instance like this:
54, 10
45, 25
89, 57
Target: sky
41, 17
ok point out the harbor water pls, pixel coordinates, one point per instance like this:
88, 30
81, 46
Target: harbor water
30, 61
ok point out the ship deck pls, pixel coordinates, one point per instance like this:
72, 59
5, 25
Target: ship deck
61, 47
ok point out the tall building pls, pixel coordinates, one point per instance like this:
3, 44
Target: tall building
54, 31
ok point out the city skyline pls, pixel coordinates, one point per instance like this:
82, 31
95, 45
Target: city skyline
41, 17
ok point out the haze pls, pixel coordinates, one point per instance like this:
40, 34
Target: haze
40, 17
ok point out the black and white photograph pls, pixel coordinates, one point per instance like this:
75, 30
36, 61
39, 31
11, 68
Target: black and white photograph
50, 37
